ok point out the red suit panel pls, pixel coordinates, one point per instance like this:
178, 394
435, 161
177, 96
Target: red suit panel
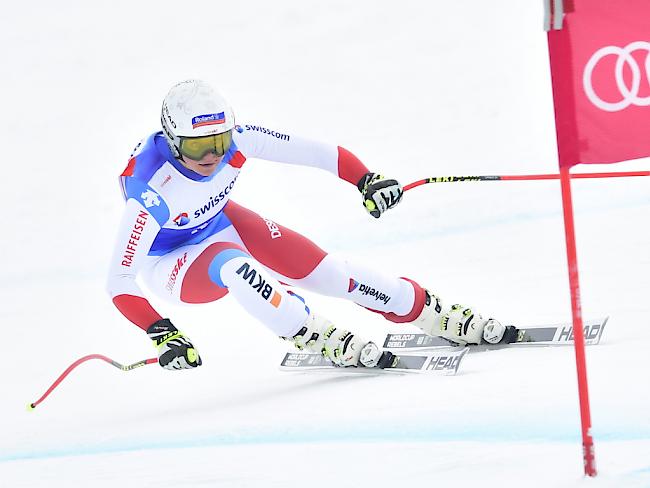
275, 246
197, 286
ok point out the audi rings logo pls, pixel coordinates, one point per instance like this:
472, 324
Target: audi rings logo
630, 95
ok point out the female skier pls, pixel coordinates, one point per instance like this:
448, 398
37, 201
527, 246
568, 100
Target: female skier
190, 243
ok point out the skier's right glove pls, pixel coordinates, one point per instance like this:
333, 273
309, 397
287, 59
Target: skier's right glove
175, 351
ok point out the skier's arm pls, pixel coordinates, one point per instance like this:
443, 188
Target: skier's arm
137, 231
379, 194
262, 143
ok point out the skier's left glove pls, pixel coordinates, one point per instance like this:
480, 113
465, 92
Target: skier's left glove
379, 194
175, 351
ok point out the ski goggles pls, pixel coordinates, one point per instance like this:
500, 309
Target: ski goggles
197, 147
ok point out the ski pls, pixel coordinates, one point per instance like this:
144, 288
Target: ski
541, 335
442, 362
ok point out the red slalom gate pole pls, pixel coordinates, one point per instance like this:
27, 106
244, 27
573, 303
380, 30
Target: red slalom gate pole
578, 331
79, 361
456, 179
565, 178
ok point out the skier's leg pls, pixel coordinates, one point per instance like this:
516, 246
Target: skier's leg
207, 271
284, 312
401, 300
298, 261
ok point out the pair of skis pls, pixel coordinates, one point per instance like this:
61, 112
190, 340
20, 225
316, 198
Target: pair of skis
424, 353
415, 353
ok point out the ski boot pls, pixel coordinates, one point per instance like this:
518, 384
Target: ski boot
342, 347
461, 325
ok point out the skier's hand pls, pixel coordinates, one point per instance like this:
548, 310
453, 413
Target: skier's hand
175, 351
379, 194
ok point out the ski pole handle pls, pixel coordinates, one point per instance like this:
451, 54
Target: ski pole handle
79, 361
456, 179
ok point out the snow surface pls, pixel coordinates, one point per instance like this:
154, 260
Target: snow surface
415, 89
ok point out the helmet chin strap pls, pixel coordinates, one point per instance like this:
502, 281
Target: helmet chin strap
181, 160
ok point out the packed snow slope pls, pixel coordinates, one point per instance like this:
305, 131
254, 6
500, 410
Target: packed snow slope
415, 89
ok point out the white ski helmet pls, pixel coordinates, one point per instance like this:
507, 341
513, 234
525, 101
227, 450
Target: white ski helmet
193, 108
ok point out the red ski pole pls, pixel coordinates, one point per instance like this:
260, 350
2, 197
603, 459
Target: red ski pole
456, 179
56, 383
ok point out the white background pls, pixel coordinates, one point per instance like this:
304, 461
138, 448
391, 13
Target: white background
415, 89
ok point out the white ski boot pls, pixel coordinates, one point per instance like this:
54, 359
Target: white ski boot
342, 347
459, 324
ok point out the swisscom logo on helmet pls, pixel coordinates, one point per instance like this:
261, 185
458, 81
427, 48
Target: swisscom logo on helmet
208, 119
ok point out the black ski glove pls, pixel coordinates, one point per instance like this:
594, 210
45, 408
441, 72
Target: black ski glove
379, 194
175, 351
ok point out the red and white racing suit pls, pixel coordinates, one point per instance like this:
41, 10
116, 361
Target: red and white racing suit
190, 243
